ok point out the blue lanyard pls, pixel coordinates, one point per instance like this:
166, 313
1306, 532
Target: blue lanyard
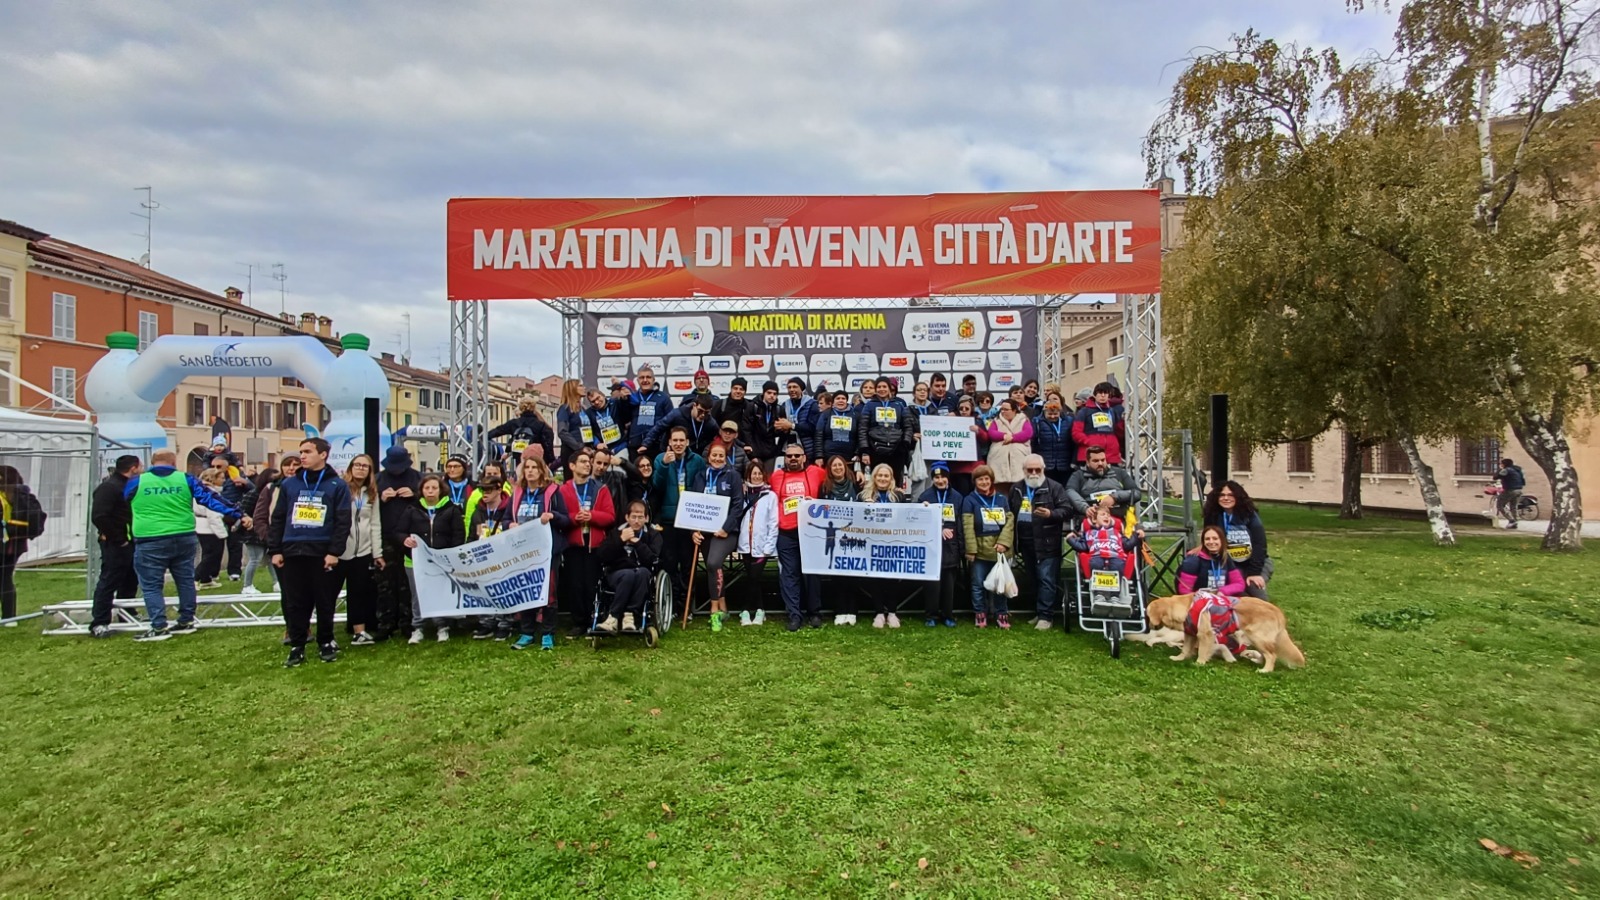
312, 488
992, 502
1217, 573
455, 495
713, 481
431, 511
794, 408
585, 497
884, 498
941, 495
1227, 522
1030, 496
533, 497
1056, 425
697, 429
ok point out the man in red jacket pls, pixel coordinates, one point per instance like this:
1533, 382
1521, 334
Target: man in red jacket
589, 503
793, 484
1099, 423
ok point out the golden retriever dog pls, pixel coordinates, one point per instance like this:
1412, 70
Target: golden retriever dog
1261, 627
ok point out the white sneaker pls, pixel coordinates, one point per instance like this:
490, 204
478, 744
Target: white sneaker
877, 621
249, 590
894, 621
416, 636
852, 619
841, 619
444, 635
760, 617
233, 578
1044, 625
627, 622
609, 625
744, 618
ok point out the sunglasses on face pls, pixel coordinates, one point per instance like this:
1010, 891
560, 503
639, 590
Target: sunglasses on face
1034, 471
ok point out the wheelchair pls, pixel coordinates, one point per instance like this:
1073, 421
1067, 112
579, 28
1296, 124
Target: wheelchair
1110, 602
654, 620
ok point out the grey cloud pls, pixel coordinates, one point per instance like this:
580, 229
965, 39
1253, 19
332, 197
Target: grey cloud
329, 137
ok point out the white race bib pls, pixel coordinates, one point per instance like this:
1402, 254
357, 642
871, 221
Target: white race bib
309, 511
948, 512
994, 516
1105, 580
841, 423
1100, 420
610, 434
791, 505
887, 415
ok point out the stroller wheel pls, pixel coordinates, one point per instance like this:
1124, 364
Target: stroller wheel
651, 636
1114, 635
594, 643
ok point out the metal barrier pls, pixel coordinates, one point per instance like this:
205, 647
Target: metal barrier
225, 611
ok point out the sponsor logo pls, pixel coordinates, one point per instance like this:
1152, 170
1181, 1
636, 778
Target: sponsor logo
613, 327
1003, 319
690, 334
681, 385
222, 357
755, 363
1011, 360
967, 362
789, 363
653, 335
965, 329
719, 364
614, 346
899, 361
617, 365
827, 362
861, 362
1002, 340
1004, 381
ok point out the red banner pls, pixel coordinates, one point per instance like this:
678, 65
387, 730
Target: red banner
1058, 242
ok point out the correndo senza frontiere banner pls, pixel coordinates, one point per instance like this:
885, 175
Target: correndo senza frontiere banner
1048, 242
836, 349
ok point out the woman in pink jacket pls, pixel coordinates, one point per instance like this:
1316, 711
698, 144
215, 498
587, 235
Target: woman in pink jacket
1210, 568
1009, 437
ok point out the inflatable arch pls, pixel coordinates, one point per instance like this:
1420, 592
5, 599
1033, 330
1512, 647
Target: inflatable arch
126, 387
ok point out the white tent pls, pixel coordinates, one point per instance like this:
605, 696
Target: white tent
55, 457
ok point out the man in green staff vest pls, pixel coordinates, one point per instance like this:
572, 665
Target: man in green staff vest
162, 500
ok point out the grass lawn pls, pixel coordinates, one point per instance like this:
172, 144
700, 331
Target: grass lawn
841, 762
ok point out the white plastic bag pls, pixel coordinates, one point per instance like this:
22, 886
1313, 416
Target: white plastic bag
1010, 579
917, 472
996, 582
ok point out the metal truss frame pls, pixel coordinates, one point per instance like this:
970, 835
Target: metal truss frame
1146, 456
469, 380
229, 611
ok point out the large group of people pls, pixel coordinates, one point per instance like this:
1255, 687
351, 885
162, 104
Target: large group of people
607, 479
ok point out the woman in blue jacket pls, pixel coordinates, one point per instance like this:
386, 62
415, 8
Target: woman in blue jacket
721, 480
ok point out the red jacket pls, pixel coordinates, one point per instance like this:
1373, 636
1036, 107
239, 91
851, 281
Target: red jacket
1096, 427
603, 514
790, 488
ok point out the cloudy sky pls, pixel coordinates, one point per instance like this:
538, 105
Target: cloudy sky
328, 137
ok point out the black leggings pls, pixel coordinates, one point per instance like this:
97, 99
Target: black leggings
361, 592
754, 569
716, 552
8, 587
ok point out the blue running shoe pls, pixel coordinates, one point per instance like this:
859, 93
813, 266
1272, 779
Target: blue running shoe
522, 642
547, 643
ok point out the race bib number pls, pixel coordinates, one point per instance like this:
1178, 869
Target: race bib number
1100, 420
1106, 581
1239, 543
1215, 581
841, 423
647, 414
485, 530
887, 415
948, 512
610, 434
518, 446
587, 432
994, 516
1097, 496
309, 512
791, 505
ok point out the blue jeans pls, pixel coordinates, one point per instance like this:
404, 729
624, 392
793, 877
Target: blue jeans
792, 584
153, 558
981, 598
1047, 574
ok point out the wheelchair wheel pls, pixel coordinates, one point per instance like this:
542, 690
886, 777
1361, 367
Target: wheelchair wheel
594, 644
663, 601
651, 636
1114, 635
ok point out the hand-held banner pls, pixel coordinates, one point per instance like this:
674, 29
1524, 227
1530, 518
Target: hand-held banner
870, 540
1043, 242
948, 438
701, 512
506, 573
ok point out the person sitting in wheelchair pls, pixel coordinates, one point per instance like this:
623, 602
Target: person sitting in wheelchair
629, 556
1104, 548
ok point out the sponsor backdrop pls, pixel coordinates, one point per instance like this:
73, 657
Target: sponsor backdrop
1046, 242
836, 348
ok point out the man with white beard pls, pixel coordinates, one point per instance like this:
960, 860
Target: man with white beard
1043, 512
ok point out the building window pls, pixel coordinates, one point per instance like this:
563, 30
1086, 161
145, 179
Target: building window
408, 418
265, 418
294, 413
1074, 362
292, 382
438, 400
1114, 343
64, 317
202, 329
233, 412
1478, 457
406, 394
5, 293
249, 415
149, 328
197, 410
1300, 457
5, 383
1088, 356
423, 399
64, 384
1239, 456
1385, 459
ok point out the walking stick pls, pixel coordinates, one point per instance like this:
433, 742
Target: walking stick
688, 598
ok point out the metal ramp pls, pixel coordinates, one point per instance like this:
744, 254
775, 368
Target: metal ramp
216, 611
